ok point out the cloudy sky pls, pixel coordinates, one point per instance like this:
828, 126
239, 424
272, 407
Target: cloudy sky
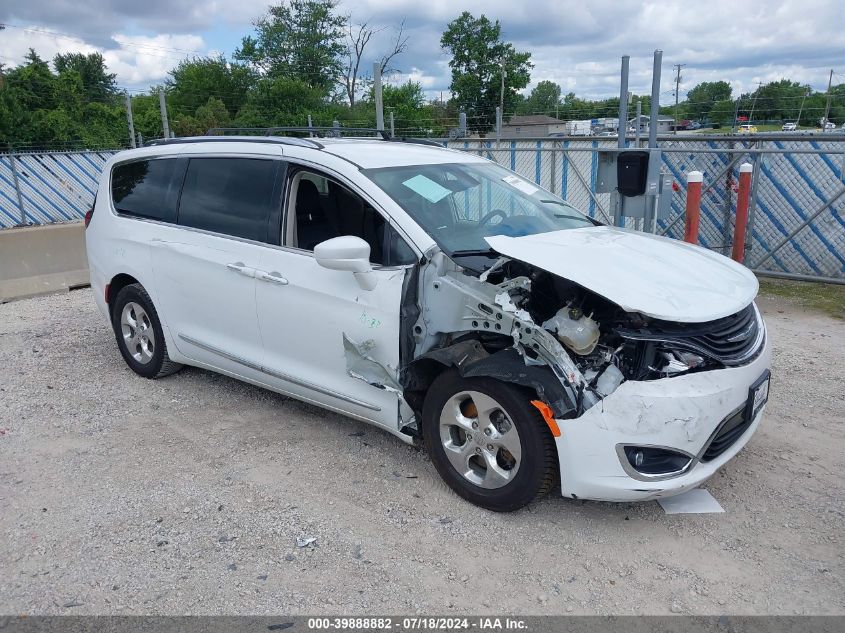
575, 43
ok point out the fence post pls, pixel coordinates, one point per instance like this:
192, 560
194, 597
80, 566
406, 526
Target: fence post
693, 211
462, 124
741, 223
17, 188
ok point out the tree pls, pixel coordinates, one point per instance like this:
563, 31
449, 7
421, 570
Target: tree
97, 83
358, 38
544, 99
280, 101
43, 109
478, 54
702, 98
776, 100
194, 81
722, 112
298, 39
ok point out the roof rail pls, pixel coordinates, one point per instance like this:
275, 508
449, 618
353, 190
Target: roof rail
415, 141
279, 140
318, 131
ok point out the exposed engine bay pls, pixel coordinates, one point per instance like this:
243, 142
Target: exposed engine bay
522, 324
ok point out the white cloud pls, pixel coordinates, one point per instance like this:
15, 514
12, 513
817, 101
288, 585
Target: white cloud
575, 43
138, 60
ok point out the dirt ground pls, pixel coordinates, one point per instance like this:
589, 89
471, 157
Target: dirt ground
187, 495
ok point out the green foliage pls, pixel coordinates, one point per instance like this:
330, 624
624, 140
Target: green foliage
544, 99
291, 68
298, 39
280, 101
194, 81
73, 108
97, 83
722, 112
478, 54
703, 97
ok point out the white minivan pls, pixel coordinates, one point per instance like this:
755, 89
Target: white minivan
441, 297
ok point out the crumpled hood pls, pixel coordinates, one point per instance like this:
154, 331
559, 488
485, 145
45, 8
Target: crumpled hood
656, 276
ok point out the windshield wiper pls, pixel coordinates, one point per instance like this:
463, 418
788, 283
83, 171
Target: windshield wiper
572, 217
477, 252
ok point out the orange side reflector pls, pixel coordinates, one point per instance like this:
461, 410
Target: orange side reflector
546, 411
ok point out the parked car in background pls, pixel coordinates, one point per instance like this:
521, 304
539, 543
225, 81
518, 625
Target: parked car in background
441, 297
693, 125
829, 126
789, 127
747, 128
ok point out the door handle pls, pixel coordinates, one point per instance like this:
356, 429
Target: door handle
273, 277
240, 267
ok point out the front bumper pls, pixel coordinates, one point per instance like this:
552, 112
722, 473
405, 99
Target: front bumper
678, 413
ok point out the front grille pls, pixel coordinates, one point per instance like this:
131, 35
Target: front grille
729, 432
731, 340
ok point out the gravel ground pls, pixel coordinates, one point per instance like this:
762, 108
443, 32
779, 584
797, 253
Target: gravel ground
187, 496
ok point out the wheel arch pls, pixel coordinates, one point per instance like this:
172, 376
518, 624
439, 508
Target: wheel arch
472, 359
116, 284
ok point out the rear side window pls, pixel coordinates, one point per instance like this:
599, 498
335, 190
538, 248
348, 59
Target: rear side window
141, 188
232, 196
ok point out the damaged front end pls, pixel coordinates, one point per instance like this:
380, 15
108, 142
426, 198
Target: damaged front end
524, 325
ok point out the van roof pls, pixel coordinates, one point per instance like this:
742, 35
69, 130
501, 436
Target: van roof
366, 152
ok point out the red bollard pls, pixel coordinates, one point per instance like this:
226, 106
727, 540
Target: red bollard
693, 214
741, 223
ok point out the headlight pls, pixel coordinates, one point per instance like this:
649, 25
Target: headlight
677, 362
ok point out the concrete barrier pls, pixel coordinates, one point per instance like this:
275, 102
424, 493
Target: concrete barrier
36, 260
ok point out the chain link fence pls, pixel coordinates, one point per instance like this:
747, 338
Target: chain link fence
797, 206
797, 209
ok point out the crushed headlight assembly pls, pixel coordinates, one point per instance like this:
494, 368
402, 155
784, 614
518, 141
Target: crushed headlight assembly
678, 362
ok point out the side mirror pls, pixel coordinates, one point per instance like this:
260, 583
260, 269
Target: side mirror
347, 252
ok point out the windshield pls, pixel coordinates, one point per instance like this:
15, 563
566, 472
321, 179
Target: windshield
462, 203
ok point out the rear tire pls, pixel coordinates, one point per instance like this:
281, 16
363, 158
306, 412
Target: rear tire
139, 335
488, 442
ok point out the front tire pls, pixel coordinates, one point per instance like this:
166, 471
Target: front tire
488, 443
139, 334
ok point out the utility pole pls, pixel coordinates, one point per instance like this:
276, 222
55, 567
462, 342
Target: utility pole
754, 103
827, 106
736, 115
502, 93
377, 91
163, 106
801, 109
677, 87
130, 121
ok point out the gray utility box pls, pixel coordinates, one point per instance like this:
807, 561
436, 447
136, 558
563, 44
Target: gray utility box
634, 178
